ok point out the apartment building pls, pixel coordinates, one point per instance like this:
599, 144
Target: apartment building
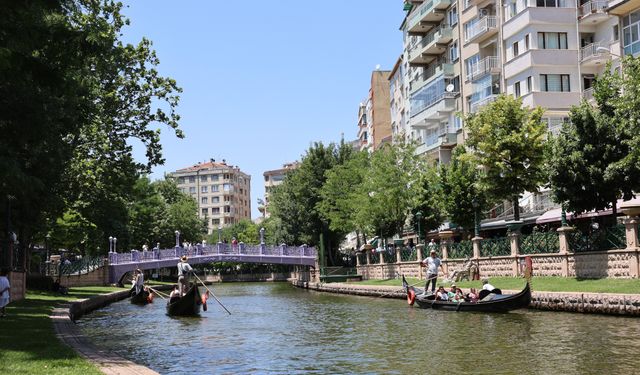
398, 102
374, 115
272, 179
431, 36
223, 191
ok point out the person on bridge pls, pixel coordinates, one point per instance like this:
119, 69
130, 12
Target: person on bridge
183, 270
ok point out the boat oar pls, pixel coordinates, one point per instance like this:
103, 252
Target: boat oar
211, 293
408, 286
156, 292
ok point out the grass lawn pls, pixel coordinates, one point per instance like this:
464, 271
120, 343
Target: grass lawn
541, 284
28, 344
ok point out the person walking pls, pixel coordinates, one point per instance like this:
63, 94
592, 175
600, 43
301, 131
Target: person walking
5, 287
432, 262
183, 270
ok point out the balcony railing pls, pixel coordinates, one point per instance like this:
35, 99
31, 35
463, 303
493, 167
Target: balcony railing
438, 67
591, 50
483, 67
482, 102
587, 94
430, 37
483, 25
424, 8
593, 7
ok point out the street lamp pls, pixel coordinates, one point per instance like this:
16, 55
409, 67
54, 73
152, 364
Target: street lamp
219, 233
177, 238
47, 238
476, 221
114, 245
419, 217
262, 236
110, 244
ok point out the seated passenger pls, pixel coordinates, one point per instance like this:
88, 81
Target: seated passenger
472, 296
175, 294
452, 292
486, 285
441, 294
459, 296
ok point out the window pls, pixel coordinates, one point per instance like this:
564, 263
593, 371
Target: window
552, 40
192, 179
551, 3
203, 178
205, 211
227, 209
215, 199
226, 187
226, 176
215, 221
215, 211
515, 49
616, 33
529, 84
453, 51
452, 16
526, 42
192, 189
516, 89
215, 177
630, 38
554, 82
470, 64
180, 180
215, 188
203, 189
204, 200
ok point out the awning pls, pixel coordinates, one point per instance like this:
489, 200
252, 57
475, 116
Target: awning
554, 215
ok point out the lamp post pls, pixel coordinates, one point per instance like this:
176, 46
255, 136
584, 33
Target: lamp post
114, 245
219, 233
110, 244
47, 238
476, 220
419, 217
262, 236
563, 217
177, 238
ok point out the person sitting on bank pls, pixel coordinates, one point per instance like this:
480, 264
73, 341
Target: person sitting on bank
183, 270
486, 285
442, 294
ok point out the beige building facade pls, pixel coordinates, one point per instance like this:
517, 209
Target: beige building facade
374, 114
223, 192
272, 179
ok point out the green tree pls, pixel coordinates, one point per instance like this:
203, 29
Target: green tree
508, 141
429, 202
459, 189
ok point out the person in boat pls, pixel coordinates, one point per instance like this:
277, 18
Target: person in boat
139, 280
458, 296
486, 285
442, 294
183, 270
174, 295
472, 296
432, 262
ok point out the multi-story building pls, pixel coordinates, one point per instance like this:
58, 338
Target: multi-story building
271, 179
374, 115
432, 52
398, 103
223, 192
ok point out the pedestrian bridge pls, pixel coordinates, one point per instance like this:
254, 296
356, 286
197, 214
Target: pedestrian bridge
121, 263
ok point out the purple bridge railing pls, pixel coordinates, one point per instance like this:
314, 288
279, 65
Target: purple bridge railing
121, 263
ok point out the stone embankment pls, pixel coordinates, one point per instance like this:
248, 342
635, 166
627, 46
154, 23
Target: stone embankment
68, 332
596, 303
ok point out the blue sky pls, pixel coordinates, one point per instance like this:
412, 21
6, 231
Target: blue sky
264, 79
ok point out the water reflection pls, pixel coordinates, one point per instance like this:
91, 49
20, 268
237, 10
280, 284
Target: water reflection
276, 328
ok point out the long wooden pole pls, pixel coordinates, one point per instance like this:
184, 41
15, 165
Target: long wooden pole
213, 295
156, 292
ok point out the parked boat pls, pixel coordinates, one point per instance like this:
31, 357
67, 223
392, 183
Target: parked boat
141, 298
187, 305
498, 303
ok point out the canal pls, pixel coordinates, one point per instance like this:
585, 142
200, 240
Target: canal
276, 328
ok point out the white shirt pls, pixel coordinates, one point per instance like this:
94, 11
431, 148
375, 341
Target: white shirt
140, 280
432, 265
4, 283
488, 287
183, 268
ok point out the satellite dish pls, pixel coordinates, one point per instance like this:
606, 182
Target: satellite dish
378, 67
450, 87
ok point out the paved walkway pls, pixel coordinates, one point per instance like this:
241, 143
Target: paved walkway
107, 362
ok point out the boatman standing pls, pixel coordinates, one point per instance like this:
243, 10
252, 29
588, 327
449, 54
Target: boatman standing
432, 262
183, 270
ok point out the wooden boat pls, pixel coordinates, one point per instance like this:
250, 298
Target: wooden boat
141, 298
499, 303
187, 305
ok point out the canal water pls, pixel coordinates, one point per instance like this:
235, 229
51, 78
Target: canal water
276, 328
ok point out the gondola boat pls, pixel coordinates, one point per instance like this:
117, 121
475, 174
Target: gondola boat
187, 305
141, 298
499, 302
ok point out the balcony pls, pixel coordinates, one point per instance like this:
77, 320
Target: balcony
488, 65
593, 12
539, 15
427, 15
434, 141
475, 107
551, 100
434, 111
484, 28
434, 43
587, 95
592, 54
444, 68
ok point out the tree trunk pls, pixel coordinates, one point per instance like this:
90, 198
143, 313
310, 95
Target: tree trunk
516, 209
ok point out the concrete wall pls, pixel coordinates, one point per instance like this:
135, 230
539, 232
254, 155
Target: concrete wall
18, 282
99, 276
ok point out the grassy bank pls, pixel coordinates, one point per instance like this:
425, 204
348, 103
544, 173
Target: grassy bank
540, 284
28, 344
